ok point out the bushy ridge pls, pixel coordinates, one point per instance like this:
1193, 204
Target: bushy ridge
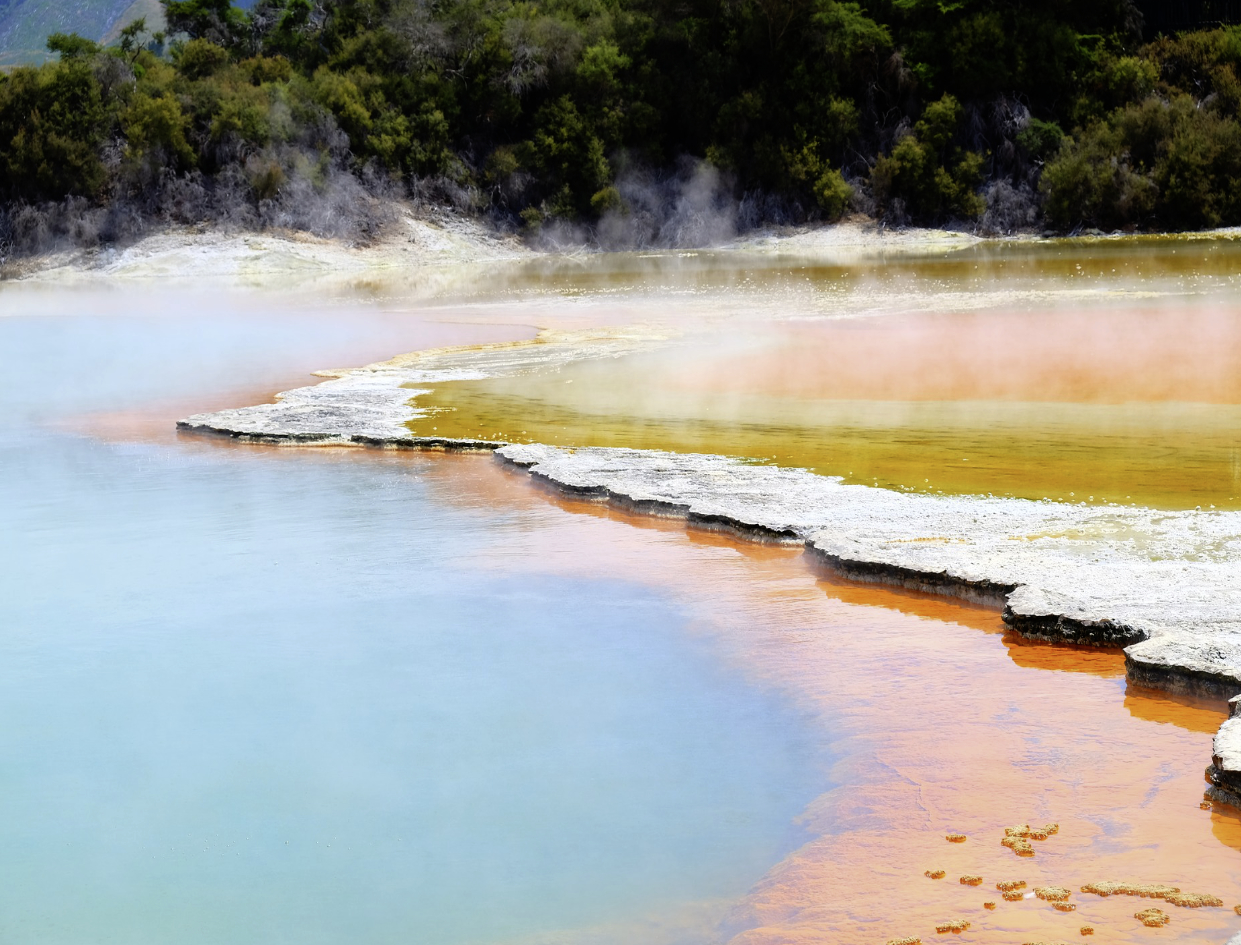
624, 122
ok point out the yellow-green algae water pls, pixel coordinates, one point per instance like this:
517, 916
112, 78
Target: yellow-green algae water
1081, 372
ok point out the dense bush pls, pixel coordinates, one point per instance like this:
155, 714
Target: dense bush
1169, 158
607, 118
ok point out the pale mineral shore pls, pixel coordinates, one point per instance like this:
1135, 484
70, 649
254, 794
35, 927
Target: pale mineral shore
426, 241
1165, 585
418, 240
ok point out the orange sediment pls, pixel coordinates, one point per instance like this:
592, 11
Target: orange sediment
955, 838
935, 874
910, 687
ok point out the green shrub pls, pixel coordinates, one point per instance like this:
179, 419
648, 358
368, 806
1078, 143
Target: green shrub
1163, 162
926, 172
567, 157
832, 193
157, 123
53, 122
1040, 139
200, 58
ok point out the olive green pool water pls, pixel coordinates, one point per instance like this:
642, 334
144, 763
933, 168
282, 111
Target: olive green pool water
1081, 372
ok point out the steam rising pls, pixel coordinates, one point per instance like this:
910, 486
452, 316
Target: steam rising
691, 206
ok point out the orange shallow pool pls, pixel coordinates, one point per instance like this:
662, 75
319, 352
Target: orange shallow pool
946, 725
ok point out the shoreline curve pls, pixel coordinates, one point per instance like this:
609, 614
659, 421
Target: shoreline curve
1166, 586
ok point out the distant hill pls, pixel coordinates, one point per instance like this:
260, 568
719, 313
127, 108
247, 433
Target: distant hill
26, 24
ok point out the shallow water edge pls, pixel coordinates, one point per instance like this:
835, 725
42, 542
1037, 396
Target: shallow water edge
1161, 652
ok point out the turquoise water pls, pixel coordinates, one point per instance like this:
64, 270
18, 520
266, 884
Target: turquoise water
260, 696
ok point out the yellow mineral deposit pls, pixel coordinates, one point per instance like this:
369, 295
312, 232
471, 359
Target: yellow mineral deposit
1193, 900
1009, 885
1018, 845
1237, 909
955, 838
971, 880
1136, 739
1152, 918
1087, 930
988, 905
935, 874
913, 940
1013, 895
1064, 906
953, 925
1144, 890
1026, 832
1052, 893
1204, 805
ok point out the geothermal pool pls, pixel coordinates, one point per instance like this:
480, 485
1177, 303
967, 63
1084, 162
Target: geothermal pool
265, 694
1104, 374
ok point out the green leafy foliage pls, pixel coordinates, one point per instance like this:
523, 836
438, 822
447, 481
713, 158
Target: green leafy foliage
532, 110
927, 172
53, 119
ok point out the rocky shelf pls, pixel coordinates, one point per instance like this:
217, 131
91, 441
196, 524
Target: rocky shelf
1164, 585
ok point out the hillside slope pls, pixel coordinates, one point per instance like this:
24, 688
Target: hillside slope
26, 24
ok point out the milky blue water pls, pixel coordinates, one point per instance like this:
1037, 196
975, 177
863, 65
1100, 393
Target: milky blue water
259, 696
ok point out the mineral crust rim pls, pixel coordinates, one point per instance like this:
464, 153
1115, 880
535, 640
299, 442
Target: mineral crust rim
1172, 599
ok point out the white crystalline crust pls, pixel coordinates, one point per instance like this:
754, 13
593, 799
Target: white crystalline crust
1165, 584
1170, 579
372, 404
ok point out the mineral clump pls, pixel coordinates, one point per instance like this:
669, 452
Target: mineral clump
1144, 890
953, 925
1193, 900
1152, 918
1052, 893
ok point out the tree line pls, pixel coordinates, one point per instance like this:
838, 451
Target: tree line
313, 114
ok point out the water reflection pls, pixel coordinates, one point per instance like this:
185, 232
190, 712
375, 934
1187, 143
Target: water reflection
942, 723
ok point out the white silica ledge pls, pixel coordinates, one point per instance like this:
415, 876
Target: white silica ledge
1166, 585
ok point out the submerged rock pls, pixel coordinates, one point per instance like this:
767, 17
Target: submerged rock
1225, 770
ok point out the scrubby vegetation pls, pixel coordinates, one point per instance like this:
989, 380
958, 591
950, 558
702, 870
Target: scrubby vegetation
629, 122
